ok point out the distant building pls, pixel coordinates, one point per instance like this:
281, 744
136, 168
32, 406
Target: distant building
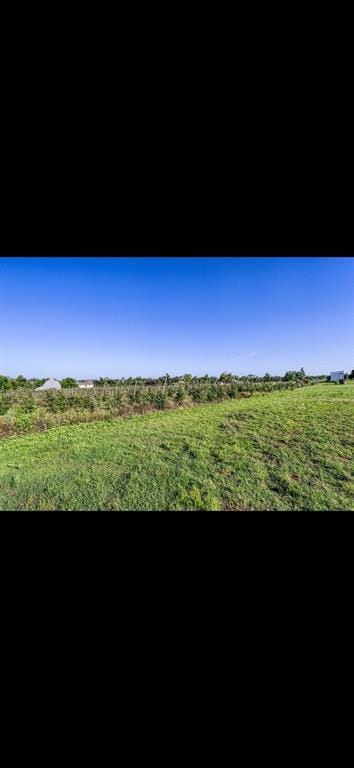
337, 376
88, 384
49, 384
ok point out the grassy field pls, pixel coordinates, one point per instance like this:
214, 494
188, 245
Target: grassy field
290, 450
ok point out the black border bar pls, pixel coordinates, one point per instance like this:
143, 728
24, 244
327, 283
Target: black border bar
212, 246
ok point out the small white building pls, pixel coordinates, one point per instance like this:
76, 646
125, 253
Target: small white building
337, 376
88, 384
49, 384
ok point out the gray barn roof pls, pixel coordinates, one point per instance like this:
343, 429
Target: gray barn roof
49, 384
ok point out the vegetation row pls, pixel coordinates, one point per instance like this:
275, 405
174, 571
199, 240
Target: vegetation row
23, 411
8, 384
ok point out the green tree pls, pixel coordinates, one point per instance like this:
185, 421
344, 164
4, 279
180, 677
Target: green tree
21, 381
5, 383
68, 383
37, 383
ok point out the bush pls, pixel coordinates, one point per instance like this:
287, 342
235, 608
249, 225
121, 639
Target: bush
24, 422
93, 404
180, 395
196, 394
28, 403
117, 398
85, 403
55, 402
7, 425
135, 397
160, 400
5, 383
4, 405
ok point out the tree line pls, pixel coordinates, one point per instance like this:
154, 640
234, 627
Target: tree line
20, 382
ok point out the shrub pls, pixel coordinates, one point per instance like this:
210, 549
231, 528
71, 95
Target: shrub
93, 404
85, 403
5, 383
4, 405
28, 403
55, 402
117, 398
196, 394
160, 400
180, 395
139, 396
24, 422
7, 425
48, 400
135, 397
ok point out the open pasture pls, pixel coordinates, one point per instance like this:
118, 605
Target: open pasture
281, 450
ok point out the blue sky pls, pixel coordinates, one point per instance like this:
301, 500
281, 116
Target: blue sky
147, 316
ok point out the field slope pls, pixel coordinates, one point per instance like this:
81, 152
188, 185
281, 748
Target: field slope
281, 451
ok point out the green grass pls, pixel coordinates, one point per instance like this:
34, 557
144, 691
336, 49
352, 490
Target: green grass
290, 450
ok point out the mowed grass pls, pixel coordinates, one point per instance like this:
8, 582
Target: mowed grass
289, 450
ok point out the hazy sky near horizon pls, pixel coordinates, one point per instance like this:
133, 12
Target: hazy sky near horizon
115, 317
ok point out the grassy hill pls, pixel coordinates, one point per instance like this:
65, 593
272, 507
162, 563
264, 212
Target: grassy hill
290, 450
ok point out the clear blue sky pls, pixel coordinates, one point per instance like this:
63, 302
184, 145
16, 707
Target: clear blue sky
147, 316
